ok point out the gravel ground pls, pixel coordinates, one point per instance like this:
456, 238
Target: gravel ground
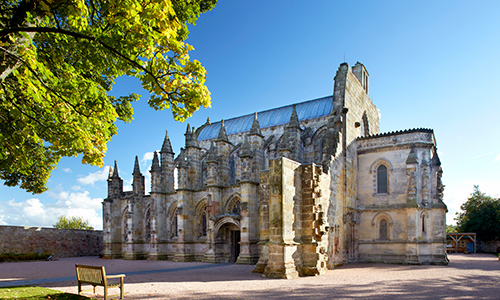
473, 276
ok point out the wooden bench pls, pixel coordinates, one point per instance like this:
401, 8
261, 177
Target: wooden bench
95, 275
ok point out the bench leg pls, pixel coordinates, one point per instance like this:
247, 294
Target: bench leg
121, 287
79, 287
105, 292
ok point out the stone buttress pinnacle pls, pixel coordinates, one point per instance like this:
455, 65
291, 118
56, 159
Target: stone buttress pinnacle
155, 167
435, 159
222, 133
212, 153
167, 146
137, 170
255, 126
294, 119
115, 171
110, 173
412, 157
245, 150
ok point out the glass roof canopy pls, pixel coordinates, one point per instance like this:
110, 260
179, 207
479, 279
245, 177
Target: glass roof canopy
307, 110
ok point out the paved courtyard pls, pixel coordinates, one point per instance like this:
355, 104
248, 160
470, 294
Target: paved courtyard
474, 276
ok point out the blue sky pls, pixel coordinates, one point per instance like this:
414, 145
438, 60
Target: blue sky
432, 64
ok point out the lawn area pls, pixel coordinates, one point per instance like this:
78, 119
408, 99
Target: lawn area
34, 292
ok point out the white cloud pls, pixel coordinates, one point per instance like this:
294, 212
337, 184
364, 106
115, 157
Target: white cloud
100, 175
147, 180
481, 155
146, 157
32, 212
127, 185
14, 204
497, 159
67, 170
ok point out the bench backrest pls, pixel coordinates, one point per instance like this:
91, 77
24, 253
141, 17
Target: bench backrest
91, 274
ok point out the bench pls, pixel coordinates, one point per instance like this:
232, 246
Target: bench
95, 275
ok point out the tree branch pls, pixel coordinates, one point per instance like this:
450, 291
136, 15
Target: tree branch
78, 35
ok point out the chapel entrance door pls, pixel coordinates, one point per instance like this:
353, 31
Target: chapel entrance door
235, 245
228, 243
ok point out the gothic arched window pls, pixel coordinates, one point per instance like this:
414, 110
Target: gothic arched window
204, 222
383, 230
382, 179
147, 227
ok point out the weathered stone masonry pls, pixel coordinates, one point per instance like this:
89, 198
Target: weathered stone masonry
295, 190
57, 242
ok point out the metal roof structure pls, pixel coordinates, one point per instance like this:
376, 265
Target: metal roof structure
307, 110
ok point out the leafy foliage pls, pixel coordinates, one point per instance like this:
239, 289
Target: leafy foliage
480, 214
451, 228
72, 223
59, 60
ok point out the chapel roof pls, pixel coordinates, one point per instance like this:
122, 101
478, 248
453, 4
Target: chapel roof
307, 110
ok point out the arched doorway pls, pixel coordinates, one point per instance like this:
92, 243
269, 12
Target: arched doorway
227, 240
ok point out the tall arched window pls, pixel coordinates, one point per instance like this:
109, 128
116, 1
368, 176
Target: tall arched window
147, 227
174, 225
383, 230
382, 179
204, 222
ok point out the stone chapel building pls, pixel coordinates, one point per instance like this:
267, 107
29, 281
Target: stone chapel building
295, 190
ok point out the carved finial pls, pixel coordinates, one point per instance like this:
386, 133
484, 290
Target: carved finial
110, 174
208, 121
188, 130
255, 126
294, 119
137, 170
115, 171
222, 133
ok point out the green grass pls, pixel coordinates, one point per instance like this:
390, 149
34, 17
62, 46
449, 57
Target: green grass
35, 293
23, 256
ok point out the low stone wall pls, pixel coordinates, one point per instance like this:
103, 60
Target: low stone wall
489, 247
57, 242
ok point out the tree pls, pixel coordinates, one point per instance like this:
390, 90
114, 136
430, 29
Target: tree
72, 223
59, 60
451, 228
480, 214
